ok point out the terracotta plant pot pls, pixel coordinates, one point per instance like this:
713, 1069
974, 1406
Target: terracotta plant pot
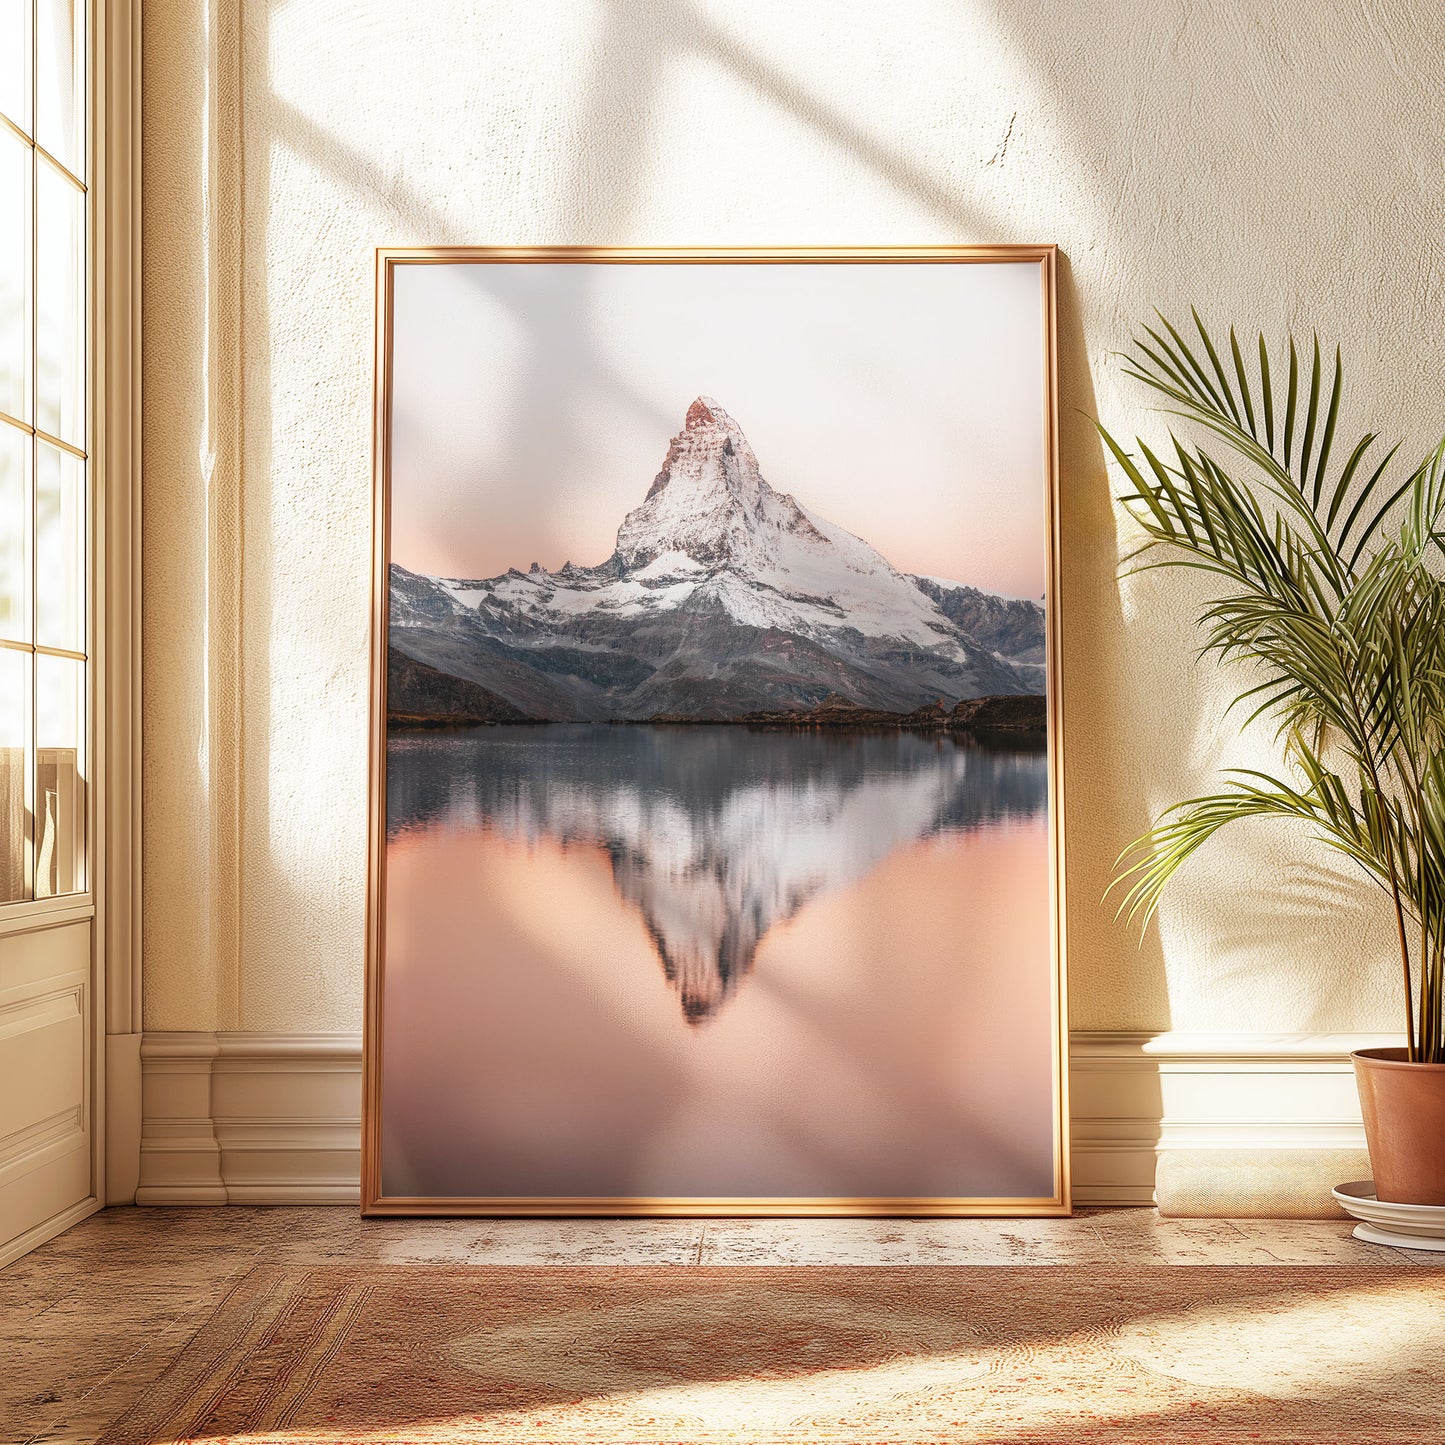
1404, 1109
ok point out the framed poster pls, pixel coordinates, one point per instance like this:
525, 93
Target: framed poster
716, 848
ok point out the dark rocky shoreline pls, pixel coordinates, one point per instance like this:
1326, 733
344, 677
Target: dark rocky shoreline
423, 698
1023, 712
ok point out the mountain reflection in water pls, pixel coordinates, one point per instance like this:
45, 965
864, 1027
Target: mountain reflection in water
717, 835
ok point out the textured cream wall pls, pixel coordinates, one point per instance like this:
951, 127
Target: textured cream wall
1279, 164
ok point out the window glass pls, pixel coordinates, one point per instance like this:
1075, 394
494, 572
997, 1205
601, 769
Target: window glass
59, 775
44, 470
60, 82
14, 531
15, 168
59, 305
59, 549
14, 725
14, 62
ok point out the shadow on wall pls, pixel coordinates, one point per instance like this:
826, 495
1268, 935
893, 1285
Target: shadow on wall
1102, 803
281, 919
1265, 929
283, 725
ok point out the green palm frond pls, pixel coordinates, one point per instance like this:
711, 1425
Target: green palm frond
1327, 588
1242, 411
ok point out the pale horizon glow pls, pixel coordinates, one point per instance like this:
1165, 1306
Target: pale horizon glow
532, 406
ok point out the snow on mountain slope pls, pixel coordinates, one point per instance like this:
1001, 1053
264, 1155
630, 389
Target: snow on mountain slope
1011, 627
712, 578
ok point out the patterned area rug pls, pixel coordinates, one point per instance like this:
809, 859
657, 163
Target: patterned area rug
703, 1356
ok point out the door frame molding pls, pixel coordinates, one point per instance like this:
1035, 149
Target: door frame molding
116, 523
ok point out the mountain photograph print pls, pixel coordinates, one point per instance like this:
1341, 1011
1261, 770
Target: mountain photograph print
715, 696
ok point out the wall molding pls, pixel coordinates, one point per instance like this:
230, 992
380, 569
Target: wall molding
250, 1118
275, 1118
1271, 1108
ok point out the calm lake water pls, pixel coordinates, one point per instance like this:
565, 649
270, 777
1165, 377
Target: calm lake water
711, 961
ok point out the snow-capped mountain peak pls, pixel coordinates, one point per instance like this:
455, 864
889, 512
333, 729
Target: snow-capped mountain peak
705, 500
711, 518
722, 595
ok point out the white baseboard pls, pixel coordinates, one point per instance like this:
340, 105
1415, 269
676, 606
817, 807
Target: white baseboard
272, 1118
1264, 1104
250, 1118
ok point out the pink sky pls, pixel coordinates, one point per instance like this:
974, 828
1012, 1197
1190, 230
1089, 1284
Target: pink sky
532, 405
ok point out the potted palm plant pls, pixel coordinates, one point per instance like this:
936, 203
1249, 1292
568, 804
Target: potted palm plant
1325, 559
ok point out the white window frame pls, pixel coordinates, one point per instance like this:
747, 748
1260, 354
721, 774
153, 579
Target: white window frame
112, 898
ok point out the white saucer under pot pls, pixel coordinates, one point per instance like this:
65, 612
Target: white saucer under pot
1404, 1226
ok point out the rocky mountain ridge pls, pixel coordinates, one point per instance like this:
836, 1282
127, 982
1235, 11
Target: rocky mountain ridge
420, 696
1011, 627
722, 596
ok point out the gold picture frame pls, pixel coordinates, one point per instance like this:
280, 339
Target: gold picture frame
374, 1201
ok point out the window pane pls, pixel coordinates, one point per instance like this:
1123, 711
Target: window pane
14, 534
15, 62
60, 306
15, 170
14, 715
59, 775
60, 82
59, 549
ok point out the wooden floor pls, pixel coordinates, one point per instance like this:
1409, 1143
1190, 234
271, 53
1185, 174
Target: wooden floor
87, 1321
